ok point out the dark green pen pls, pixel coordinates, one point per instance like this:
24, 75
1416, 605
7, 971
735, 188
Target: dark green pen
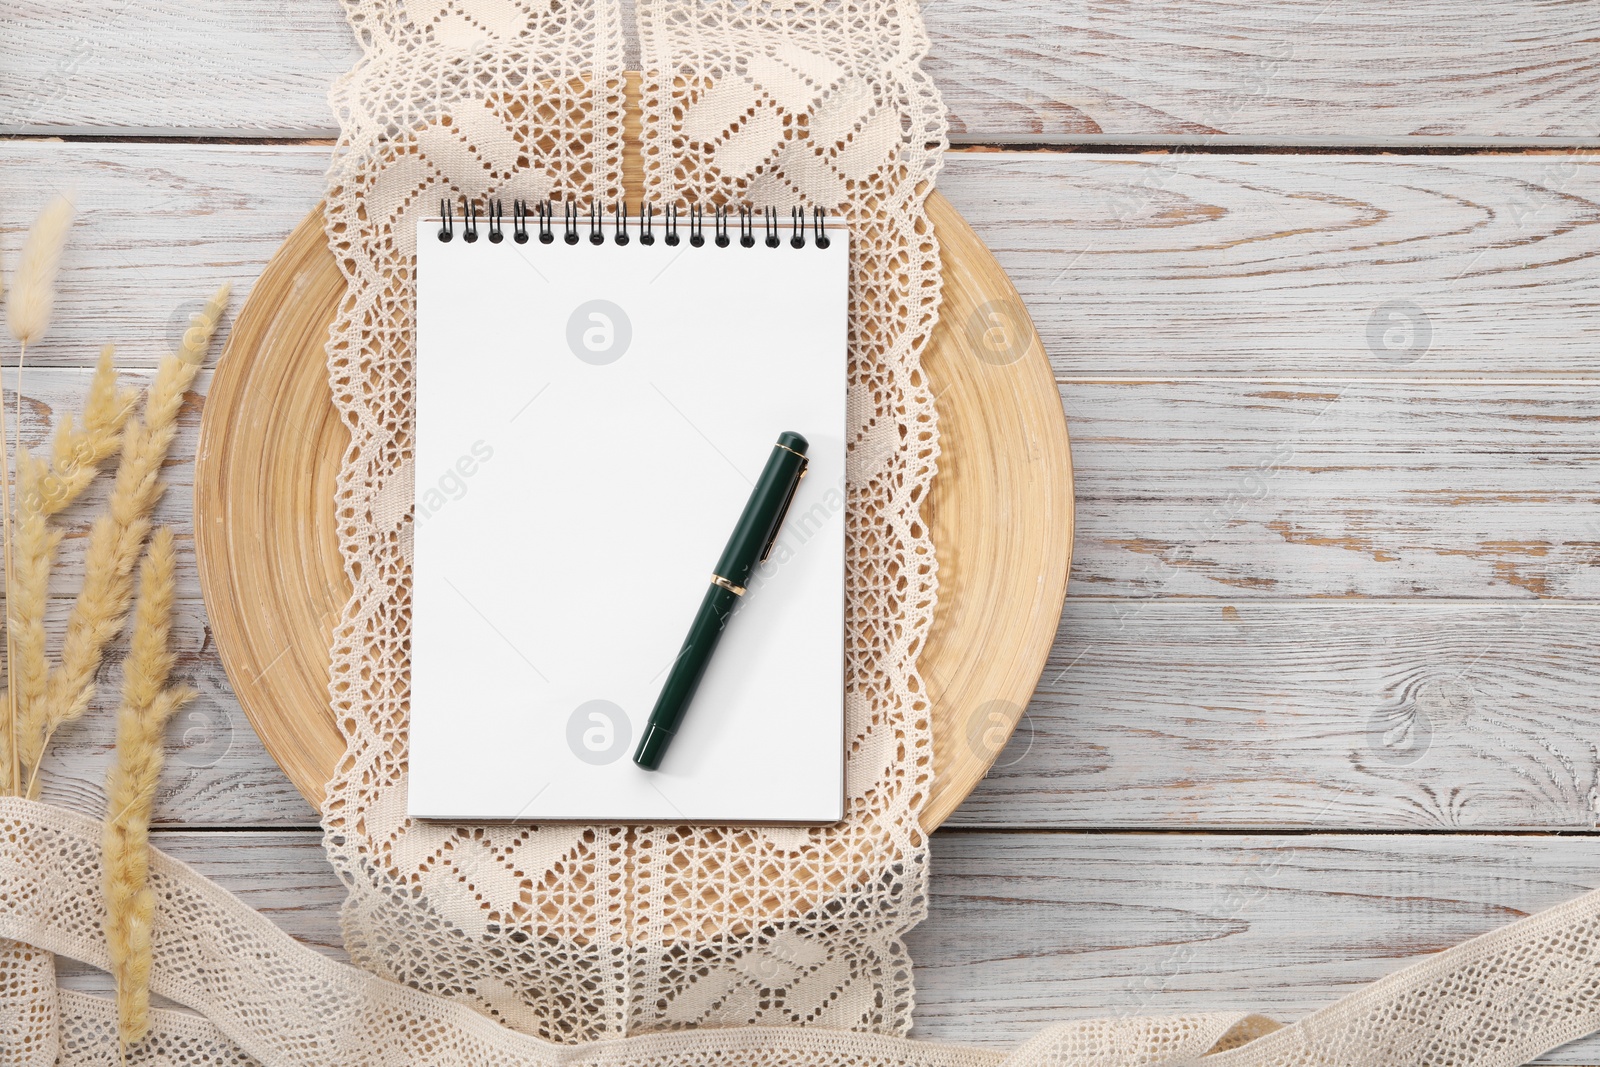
751, 542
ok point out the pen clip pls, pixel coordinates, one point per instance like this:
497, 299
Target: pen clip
777, 524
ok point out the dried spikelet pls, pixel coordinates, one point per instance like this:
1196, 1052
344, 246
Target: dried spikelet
35, 542
147, 705
5, 747
115, 540
33, 286
77, 450
33, 297
197, 338
42, 491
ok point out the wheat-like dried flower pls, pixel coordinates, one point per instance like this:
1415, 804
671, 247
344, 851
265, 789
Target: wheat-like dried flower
35, 542
197, 338
115, 540
78, 448
33, 297
5, 744
33, 286
43, 489
147, 705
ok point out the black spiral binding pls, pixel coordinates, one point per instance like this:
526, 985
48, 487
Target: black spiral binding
573, 229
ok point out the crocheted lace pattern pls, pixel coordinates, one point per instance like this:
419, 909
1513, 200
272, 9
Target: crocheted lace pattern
262, 998
579, 932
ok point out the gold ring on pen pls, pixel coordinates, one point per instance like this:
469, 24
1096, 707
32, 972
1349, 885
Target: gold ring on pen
736, 590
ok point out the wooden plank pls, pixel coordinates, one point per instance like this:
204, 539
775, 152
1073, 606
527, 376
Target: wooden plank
1293, 71
1344, 488
1221, 488
1025, 930
1326, 715
1185, 264
1369, 72
251, 67
1245, 499
159, 228
1143, 266
1160, 714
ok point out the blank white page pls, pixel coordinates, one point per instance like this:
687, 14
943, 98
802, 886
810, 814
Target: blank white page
590, 422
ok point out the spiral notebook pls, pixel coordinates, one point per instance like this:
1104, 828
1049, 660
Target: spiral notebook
595, 397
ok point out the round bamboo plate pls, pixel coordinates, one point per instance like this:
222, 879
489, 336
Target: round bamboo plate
999, 511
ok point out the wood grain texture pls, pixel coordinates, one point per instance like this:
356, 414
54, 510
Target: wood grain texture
1330, 715
1148, 266
1238, 490
1292, 71
1295, 71
1182, 264
1323, 715
158, 228
999, 512
266, 472
1262, 710
1482, 489
1029, 929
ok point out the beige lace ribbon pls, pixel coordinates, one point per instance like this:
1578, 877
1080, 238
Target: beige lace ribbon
572, 932
263, 998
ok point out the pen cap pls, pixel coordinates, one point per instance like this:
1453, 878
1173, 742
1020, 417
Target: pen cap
763, 513
652, 746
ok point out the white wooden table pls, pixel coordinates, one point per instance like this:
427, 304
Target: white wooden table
1318, 279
